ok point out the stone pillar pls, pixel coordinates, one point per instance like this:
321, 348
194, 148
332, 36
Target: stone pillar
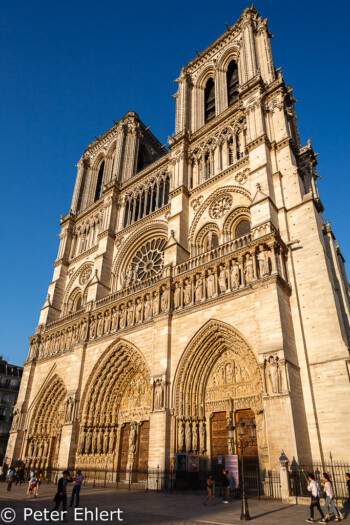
284, 478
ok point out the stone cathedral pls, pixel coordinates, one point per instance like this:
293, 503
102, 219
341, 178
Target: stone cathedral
195, 284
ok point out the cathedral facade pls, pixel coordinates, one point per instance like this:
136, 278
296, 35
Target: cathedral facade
195, 286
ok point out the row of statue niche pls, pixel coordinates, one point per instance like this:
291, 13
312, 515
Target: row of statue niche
191, 436
228, 374
97, 441
129, 276
37, 449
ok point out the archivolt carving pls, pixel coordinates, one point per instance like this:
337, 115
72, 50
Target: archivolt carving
81, 272
241, 213
216, 353
216, 196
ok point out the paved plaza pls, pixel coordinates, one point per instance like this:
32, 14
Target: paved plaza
141, 507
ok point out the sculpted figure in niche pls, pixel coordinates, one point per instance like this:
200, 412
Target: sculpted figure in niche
188, 436
88, 442
148, 307
202, 435
83, 330
75, 337
187, 292
100, 442
40, 449
94, 442
46, 447
92, 328
248, 269
130, 316
181, 435
210, 284
164, 300
82, 442
177, 296
15, 420
158, 395
111, 441
30, 449
69, 337
263, 260
105, 442
244, 374
132, 440
99, 325
114, 319
106, 327
195, 437
122, 316
198, 289
138, 310
229, 373
274, 374
156, 303
222, 278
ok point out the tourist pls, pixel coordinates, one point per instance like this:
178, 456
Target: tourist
33, 486
347, 476
210, 484
328, 488
40, 479
226, 485
76, 489
61, 495
314, 488
10, 476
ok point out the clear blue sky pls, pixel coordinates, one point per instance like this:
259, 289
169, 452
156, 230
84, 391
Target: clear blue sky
69, 67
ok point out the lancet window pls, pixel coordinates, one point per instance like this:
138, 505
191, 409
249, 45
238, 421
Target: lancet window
146, 199
99, 181
232, 82
209, 100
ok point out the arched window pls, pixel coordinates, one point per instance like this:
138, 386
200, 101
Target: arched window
232, 82
210, 242
166, 191
78, 304
99, 181
209, 100
242, 228
126, 216
140, 159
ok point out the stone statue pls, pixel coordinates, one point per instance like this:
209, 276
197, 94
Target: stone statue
107, 322
164, 300
82, 442
248, 269
210, 284
46, 448
111, 441
198, 289
222, 278
132, 440
15, 420
195, 437
202, 436
274, 374
234, 275
130, 315
138, 310
263, 260
181, 435
122, 317
100, 442
148, 307
94, 442
188, 436
187, 292
155, 303
92, 328
105, 442
229, 373
88, 442
69, 337
177, 296
83, 330
114, 319
158, 395
99, 325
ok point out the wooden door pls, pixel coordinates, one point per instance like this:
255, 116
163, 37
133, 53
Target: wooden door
251, 451
219, 440
142, 452
123, 451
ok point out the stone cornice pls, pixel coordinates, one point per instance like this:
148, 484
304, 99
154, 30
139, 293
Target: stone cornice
178, 191
84, 254
263, 139
106, 233
60, 262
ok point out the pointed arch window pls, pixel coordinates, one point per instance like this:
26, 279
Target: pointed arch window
99, 181
209, 100
232, 82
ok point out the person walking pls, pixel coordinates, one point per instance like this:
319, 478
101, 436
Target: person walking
347, 476
10, 476
61, 495
76, 489
225, 480
40, 479
328, 488
314, 488
210, 484
32, 486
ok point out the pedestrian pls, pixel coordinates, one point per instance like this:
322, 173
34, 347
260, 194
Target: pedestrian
314, 488
10, 476
40, 478
1, 471
347, 475
61, 495
225, 480
328, 488
33, 482
210, 484
76, 489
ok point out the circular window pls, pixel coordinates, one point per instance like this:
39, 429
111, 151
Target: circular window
149, 260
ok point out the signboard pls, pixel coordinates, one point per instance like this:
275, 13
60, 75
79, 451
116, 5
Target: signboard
231, 464
193, 463
181, 462
219, 459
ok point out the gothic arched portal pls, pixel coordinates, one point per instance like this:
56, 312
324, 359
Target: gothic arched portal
115, 411
217, 380
44, 431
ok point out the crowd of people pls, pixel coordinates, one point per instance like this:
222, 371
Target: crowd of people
328, 493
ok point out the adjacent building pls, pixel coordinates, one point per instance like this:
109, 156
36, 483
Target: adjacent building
10, 379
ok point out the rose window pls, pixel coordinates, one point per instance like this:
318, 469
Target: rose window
219, 208
149, 260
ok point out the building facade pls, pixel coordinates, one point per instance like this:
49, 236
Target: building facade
10, 379
194, 286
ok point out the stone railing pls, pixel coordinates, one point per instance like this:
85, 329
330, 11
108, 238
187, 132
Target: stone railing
228, 269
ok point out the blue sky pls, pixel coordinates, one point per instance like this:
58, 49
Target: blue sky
69, 68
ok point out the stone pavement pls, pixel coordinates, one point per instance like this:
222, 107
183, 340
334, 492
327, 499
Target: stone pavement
146, 508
